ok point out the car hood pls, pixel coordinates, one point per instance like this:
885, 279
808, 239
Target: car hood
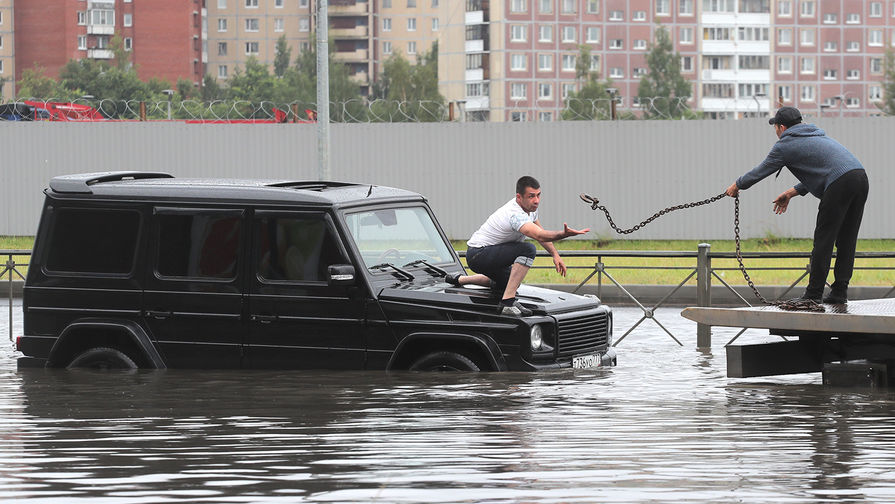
538, 299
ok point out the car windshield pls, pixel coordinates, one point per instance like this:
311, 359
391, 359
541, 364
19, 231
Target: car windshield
398, 236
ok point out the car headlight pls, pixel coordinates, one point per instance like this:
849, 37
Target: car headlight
537, 339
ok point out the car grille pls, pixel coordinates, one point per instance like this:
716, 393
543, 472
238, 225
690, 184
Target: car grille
583, 334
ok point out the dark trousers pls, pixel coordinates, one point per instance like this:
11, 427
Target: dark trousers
495, 261
838, 221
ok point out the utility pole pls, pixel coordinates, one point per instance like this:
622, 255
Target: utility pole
323, 143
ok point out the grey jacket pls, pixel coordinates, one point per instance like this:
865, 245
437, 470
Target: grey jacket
814, 158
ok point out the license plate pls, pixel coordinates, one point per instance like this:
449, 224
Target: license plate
586, 361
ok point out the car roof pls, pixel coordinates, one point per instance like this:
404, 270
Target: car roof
157, 186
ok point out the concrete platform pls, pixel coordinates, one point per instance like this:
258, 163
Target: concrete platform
869, 316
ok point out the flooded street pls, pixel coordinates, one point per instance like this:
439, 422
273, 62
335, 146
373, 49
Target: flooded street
666, 425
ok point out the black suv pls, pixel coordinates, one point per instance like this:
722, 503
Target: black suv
144, 270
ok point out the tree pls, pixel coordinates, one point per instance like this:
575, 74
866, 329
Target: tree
888, 105
34, 84
346, 104
120, 55
663, 88
411, 90
591, 101
282, 57
211, 90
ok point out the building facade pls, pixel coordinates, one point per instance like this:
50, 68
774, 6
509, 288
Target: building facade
7, 51
164, 37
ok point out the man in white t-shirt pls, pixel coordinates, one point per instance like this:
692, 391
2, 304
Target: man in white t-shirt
499, 253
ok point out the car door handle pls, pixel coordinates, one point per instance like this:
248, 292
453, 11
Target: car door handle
264, 319
158, 314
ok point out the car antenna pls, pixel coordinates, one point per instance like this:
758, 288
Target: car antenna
370, 191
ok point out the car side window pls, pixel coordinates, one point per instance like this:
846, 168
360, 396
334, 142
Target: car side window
198, 245
93, 240
295, 248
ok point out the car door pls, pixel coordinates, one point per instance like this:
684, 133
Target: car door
299, 320
193, 302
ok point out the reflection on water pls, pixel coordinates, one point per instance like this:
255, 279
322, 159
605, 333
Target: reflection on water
665, 425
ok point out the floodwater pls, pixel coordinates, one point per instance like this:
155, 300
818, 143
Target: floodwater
666, 425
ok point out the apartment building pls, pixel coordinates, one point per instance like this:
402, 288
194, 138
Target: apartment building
514, 60
164, 37
7, 51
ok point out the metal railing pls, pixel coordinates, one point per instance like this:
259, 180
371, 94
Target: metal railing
703, 270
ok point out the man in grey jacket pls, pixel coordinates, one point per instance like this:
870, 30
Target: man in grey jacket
830, 172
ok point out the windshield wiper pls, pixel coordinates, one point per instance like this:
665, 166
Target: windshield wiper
406, 275
432, 267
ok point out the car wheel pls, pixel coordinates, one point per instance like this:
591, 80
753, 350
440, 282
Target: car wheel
444, 361
102, 358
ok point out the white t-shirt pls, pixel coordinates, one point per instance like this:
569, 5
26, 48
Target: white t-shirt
502, 226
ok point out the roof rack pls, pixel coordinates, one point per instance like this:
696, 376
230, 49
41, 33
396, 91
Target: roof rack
81, 182
311, 185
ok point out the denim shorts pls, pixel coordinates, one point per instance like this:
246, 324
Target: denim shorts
495, 261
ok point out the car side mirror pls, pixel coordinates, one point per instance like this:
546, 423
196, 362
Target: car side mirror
340, 274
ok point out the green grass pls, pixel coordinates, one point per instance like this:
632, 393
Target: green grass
633, 270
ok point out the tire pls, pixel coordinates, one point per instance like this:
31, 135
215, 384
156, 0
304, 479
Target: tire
444, 361
102, 358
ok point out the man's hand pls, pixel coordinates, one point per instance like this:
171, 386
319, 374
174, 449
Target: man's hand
560, 265
733, 190
567, 231
782, 201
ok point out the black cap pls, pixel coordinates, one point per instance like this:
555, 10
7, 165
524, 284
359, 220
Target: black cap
786, 116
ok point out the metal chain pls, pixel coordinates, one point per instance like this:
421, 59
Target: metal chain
790, 305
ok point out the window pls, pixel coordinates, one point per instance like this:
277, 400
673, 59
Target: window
295, 249
473, 61
222, 25
568, 6
852, 46
304, 24
222, 48
875, 38
686, 35
784, 93
386, 24
640, 45
568, 62
752, 33
545, 116
104, 17
853, 18
806, 37
386, 4
128, 20
593, 34
278, 3
519, 117
784, 8
568, 34
82, 42
808, 93
716, 34
876, 65
567, 89
784, 36
518, 91
593, 6
434, 24
411, 47
252, 3
616, 73
616, 44
386, 48
594, 63
251, 48
517, 33
753, 89
639, 72
545, 6
663, 8
639, 16
545, 91
545, 62
198, 245
852, 102
830, 18
222, 4
278, 24
754, 62
80, 241
718, 5
517, 62
686, 63
434, 4
830, 74
853, 74
685, 7
545, 33
830, 46
717, 90
875, 93
477, 89
518, 6
807, 65
616, 15
82, 18
806, 8
784, 64
252, 24
411, 24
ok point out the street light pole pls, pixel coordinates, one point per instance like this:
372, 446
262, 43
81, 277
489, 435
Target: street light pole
757, 103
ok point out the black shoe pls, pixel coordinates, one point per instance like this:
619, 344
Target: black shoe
513, 310
803, 298
453, 278
834, 298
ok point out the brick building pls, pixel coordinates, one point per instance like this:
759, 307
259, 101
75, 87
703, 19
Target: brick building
7, 52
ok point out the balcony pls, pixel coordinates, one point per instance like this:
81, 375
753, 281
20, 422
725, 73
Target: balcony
357, 56
99, 54
476, 17
476, 74
712, 104
736, 75
93, 29
361, 78
477, 103
718, 47
349, 33
475, 46
348, 8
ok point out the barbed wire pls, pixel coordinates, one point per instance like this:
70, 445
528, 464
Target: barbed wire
358, 110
